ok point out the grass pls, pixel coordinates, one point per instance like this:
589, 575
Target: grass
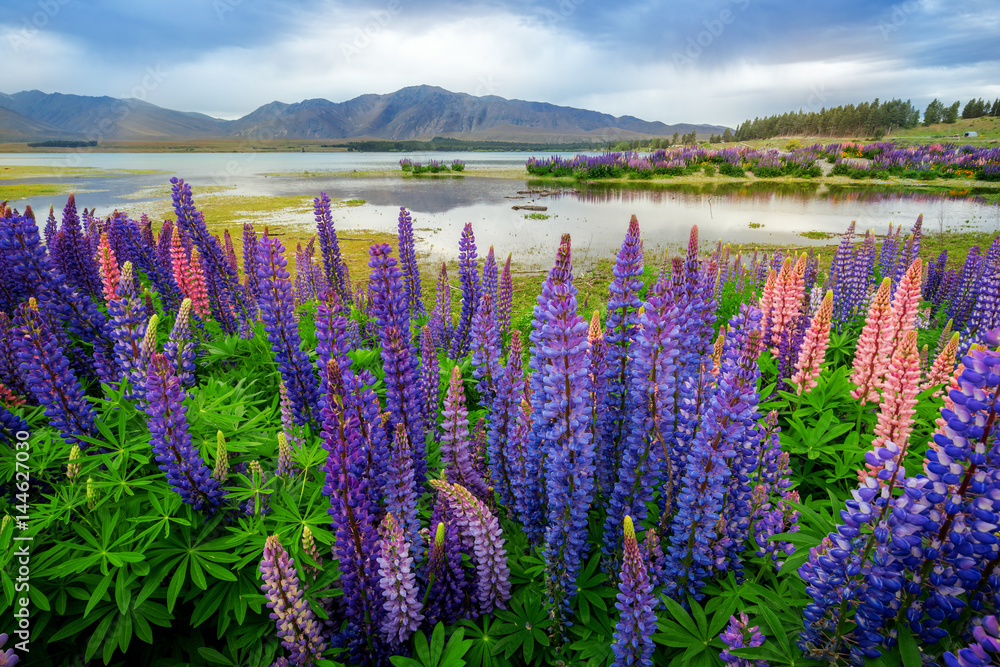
537, 216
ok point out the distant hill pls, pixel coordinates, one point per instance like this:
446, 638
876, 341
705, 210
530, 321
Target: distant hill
417, 112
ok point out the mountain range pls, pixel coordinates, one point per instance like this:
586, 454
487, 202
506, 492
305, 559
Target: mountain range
416, 112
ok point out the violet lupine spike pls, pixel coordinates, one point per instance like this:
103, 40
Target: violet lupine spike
598, 378
282, 330
491, 277
171, 441
967, 288
398, 583
486, 349
128, 324
724, 429
983, 652
636, 624
986, 312
441, 322
456, 454
646, 464
445, 596
250, 262
505, 299
7, 656
408, 262
74, 252
230, 303
46, 370
468, 274
502, 441
560, 426
400, 493
353, 516
180, 348
404, 400
478, 524
286, 467
619, 333
298, 627
737, 635
430, 378
333, 264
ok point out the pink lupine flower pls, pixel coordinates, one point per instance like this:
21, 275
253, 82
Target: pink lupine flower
817, 338
108, 265
871, 346
942, 367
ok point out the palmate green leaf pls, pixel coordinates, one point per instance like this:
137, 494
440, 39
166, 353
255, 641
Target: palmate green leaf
483, 639
523, 626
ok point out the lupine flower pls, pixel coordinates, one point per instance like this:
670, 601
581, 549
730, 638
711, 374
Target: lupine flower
171, 442
441, 324
725, 430
985, 651
108, 268
8, 397
46, 368
455, 442
738, 634
903, 313
491, 277
430, 377
636, 624
646, 463
286, 468
221, 470
468, 275
619, 335
717, 350
813, 352
598, 381
73, 253
560, 426
180, 347
943, 367
74, 466
398, 583
333, 264
282, 329
297, 624
486, 349
788, 296
401, 493
408, 264
309, 548
502, 443
478, 525
505, 298
872, 344
10, 424
446, 597
984, 316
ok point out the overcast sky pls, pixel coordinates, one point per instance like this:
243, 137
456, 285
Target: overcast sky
717, 61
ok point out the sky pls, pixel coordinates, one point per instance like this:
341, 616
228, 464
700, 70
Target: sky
715, 61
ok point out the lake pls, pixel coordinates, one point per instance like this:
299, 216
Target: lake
595, 215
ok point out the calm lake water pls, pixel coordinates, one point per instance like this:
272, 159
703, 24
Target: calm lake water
595, 215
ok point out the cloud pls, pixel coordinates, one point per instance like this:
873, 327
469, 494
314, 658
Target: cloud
720, 61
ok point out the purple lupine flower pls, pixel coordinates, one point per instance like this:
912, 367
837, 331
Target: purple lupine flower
984, 652
171, 442
889, 256
276, 308
966, 288
935, 272
128, 325
490, 276
31, 273
636, 621
985, 314
180, 348
145, 258
10, 374
46, 369
400, 493
598, 379
456, 452
298, 627
7, 656
74, 253
505, 299
560, 426
430, 378
502, 447
441, 322
738, 634
10, 425
408, 263
163, 245
619, 333
229, 301
286, 467
724, 428
404, 401
398, 583
486, 349
445, 599
646, 463
250, 262
478, 525
353, 516
333, 264
468, 274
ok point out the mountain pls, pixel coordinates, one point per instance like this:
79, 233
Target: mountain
417, 112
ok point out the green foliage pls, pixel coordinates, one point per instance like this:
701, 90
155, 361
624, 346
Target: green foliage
434, 652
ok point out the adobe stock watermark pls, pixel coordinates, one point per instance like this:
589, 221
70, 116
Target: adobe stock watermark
374, 23
899, 15
39, 19
22, 541
817, 98
223, 7
487, 85
234, 168
562, 11
151, 79
714, 27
